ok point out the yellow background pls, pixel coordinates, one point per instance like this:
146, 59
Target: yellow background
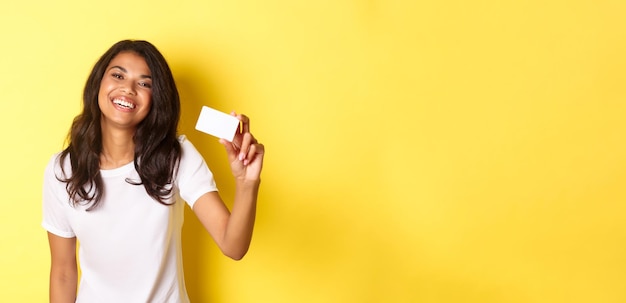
417, 151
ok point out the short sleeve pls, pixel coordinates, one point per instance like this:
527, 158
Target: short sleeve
55, 202
194, 177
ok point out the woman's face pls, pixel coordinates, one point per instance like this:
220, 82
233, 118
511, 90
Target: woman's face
125, 94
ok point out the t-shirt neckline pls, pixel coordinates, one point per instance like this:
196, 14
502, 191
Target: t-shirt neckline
118, 171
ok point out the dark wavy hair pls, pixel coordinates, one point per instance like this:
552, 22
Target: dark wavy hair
157, 150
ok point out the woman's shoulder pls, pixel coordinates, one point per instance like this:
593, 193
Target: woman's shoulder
57, 165
185, 144
189, 153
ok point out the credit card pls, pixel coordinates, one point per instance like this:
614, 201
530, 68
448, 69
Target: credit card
217, 123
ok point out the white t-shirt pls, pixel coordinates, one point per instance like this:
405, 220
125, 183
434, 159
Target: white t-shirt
130, 245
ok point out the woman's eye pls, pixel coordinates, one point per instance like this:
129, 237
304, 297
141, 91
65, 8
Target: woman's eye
118, 76
145, 84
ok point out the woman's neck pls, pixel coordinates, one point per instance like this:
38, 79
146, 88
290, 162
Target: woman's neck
118, 148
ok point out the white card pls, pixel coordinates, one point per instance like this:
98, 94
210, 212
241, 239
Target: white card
217, 123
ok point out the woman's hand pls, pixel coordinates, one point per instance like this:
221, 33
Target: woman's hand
245, 153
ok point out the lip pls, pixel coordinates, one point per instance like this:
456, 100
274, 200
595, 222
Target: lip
123, 108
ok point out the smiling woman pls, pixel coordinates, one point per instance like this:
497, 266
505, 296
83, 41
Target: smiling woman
119, 187
124, 99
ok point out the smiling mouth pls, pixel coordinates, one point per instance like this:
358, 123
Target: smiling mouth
124, 104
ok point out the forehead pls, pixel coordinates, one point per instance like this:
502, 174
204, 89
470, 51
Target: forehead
130, 62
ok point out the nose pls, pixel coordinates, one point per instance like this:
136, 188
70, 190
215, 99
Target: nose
128, 88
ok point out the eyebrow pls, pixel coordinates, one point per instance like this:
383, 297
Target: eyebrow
125, 71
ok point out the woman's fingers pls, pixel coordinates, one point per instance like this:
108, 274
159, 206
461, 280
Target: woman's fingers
245, 146
245, 123
255, 150
246, 141
250, 156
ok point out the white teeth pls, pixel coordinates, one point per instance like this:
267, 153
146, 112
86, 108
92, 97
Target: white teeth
123, 103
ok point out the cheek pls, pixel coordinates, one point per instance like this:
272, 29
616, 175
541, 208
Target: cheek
101, 95
103, 89
104, 83
148, 99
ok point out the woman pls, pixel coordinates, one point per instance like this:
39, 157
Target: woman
117, 187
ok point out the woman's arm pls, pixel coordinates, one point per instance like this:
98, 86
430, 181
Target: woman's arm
233, 231
63, 269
